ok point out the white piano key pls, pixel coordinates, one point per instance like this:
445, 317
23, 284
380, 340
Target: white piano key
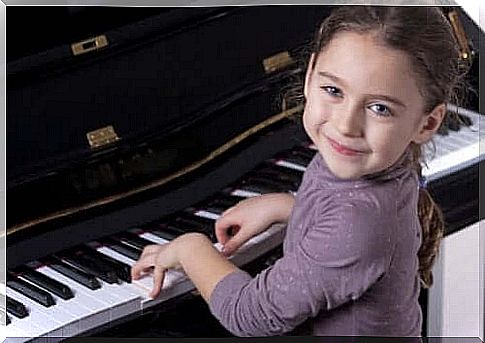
39, 322
244, 194
290, 165
127, 300
61, 312
206, 214
452, 162
124, 300
83, 297
153, 238
15, 334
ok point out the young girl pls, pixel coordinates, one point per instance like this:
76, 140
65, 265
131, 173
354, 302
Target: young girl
357, 245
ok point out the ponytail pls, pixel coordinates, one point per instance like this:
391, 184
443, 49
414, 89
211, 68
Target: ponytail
432, 226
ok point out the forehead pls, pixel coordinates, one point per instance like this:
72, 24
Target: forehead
366, 64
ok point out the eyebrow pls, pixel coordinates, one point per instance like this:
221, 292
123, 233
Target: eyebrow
377, 96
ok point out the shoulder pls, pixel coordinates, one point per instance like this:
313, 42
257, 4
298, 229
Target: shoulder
354, 224
359, 205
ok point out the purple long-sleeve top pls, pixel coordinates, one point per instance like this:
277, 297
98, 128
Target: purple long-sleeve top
349, 264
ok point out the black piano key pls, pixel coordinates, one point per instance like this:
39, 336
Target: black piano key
133, 240
278, 174
221, 203
198, 224
283, 185
85, 279
168, 235
262, 186
33, 292
124, 249
45, 282
465, 120
305, 152
443, 130
16, 308
89, 265
7, 319
173, 227
183, 225
453, 124
205, 223
288, 184
283, 170
122, 270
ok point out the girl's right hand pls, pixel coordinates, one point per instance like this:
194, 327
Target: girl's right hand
250, 217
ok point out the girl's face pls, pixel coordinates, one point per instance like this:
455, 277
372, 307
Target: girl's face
363, 106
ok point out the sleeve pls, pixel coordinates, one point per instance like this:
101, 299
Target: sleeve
346, 249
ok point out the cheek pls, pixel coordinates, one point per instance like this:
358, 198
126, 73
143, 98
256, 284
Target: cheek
388, 142
316, 113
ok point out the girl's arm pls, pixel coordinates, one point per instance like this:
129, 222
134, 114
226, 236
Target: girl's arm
195, 253
203, 264
250, 217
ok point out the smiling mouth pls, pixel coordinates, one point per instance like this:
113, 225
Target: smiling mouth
344, 150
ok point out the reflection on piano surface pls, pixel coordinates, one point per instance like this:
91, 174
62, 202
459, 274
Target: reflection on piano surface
68, 271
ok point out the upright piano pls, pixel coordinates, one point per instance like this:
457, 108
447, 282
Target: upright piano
131, 126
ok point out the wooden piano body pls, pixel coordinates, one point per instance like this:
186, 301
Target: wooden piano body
137, 116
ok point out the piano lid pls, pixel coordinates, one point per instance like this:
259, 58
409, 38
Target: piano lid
87, 129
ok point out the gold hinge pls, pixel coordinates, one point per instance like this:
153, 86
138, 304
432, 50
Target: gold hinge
89, 45
460, 35
276, 62
102, 137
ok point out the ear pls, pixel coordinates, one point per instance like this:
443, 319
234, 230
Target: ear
308, 75
430, 124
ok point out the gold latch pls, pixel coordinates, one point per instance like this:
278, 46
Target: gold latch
101, 137
276, 62
89, 45
460, 35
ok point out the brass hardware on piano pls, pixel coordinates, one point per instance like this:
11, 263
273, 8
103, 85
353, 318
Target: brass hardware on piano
88, 45
277, 62
101, 137
460, 35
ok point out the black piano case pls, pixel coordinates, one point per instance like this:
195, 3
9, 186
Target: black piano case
99, 115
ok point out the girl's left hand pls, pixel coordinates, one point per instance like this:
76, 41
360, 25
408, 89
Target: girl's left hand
159, 258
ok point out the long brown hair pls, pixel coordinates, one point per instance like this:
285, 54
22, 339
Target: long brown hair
426, 36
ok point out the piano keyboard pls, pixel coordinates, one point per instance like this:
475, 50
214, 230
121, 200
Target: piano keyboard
457, 150
75, 291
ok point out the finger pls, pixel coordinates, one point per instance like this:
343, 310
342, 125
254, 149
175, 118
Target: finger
136, 270
235, 242
227, 234
143, 264
158, 276
223, 227
149, 249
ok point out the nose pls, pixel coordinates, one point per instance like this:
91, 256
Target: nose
349, 120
